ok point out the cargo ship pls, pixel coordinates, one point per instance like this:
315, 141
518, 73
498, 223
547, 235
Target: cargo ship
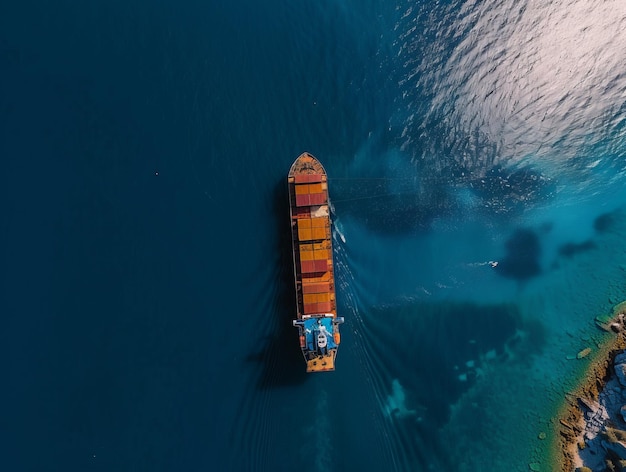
317, 320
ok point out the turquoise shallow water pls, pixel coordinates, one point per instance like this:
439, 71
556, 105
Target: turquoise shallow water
147, 287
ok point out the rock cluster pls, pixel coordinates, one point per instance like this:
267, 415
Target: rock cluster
593, 430
603, 445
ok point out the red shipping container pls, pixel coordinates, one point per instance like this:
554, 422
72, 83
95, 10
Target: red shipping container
321, 266
307, 267
317, 198
306, 178
323, 307
303, 200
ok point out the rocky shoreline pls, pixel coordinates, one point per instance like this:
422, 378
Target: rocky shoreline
591, 429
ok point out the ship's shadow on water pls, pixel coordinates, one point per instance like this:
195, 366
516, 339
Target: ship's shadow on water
280, 359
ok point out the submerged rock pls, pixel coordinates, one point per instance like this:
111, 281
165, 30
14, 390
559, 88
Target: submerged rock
591, 426
523, 251
591, 429
620, 372
604, 222
617, 448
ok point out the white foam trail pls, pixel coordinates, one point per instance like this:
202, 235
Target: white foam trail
367, 361
338, 230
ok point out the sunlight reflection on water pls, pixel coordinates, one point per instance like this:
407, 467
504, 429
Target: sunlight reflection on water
540, 83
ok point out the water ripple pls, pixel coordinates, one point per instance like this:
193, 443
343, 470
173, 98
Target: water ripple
510, 83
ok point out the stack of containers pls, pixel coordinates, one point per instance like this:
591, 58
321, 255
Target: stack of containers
309, 193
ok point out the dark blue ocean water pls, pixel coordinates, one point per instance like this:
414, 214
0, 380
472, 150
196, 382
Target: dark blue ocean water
146, 283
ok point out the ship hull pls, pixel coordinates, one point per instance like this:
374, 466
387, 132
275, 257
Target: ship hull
311, 231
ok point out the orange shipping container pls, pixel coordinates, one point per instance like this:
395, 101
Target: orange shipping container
321, 254
318, 233
316, 287
316, 297
302, 189
304, 234
307, 255
315, 188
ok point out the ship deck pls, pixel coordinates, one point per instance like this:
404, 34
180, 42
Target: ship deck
312, 238
313, 263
